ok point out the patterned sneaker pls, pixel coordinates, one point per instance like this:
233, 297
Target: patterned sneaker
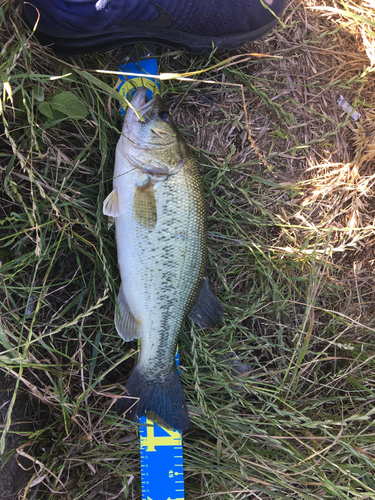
83, 26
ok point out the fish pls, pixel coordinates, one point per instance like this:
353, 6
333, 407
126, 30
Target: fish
158, 206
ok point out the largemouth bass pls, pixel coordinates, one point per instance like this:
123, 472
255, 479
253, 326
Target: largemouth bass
159, 209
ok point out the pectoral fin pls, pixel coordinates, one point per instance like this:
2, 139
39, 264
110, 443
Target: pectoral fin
128, 327
145, 212
207, 310
111, 205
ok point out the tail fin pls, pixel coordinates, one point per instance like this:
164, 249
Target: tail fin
161, 396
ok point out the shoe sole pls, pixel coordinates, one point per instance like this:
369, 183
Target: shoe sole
72, 43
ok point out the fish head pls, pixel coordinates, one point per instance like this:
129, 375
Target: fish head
153, 140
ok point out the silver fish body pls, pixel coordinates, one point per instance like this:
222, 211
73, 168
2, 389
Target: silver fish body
159, 209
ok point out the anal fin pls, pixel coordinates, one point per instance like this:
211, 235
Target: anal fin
128, 327
207, 310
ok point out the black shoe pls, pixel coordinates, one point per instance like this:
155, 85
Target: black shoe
83, 26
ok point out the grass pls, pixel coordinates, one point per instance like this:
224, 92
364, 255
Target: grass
281, 394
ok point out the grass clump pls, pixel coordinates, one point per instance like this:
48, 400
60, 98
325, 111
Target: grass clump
281, 394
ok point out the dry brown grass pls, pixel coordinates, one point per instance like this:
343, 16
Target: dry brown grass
309, 141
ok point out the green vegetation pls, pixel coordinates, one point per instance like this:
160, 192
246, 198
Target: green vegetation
281, 394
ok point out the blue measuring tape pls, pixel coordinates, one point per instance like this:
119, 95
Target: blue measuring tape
162, 464
162, 467
129, 84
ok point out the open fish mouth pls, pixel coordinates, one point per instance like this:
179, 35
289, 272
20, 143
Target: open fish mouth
148, 109
139, 99
155, 145
144, 108
154, 117
138, 108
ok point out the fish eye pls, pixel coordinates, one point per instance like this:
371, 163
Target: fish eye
164, 116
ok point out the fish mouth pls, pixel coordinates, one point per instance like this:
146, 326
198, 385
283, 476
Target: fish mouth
139, 103
137, 108
143, 111
144, 108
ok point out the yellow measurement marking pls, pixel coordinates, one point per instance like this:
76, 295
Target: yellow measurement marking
150, 441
